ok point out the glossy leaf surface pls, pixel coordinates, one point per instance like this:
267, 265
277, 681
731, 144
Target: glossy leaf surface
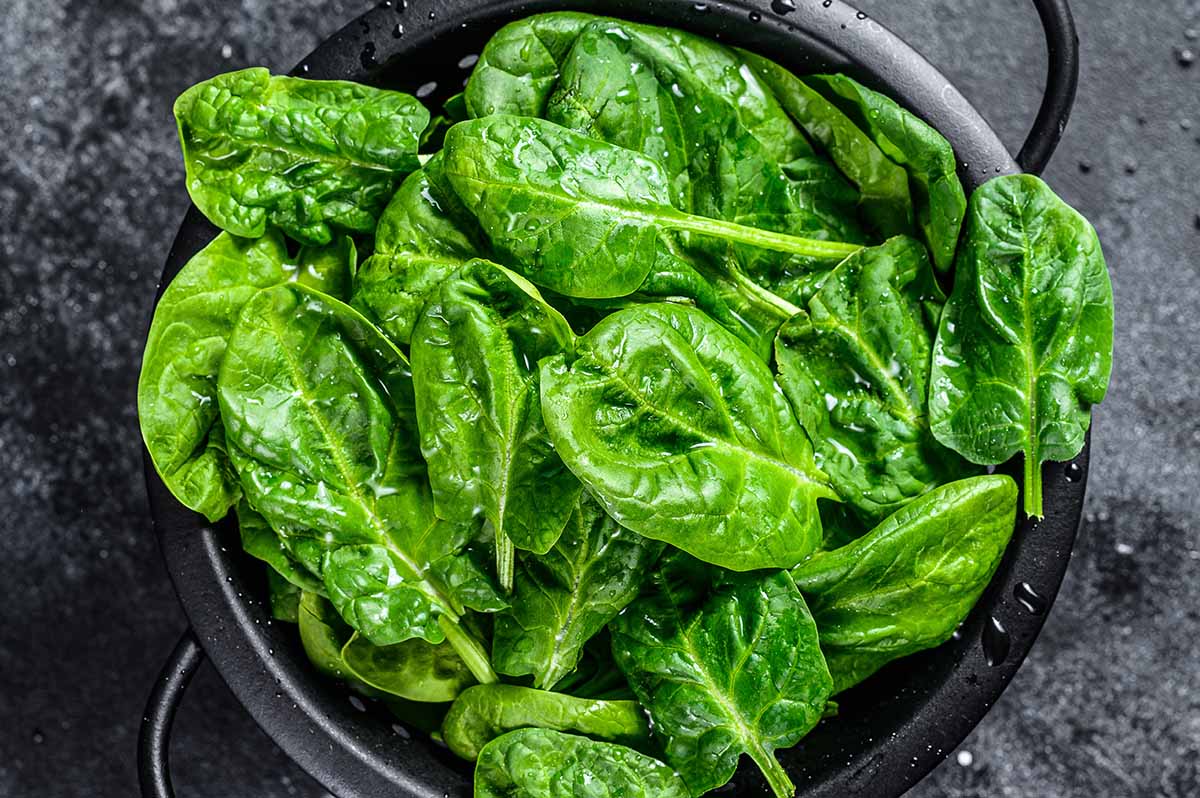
907, 584
682, 434
1025, 343
731, 670
414, 670
303, 155
483, 713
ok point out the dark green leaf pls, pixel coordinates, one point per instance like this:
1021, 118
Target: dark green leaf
483, 713
474, 352
302, 155
563, 598
259, 540
731, 672
284, 597
907, 585
856, 369
413, 670
683, 436
1025, 343
539, 763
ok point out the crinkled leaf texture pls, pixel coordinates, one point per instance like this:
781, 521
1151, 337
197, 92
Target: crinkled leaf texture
907, 584
681, 432
317, 405
483, 713
259, 540
855, 366
303, 155
1024, 348
723, 671
475, 351
177, 389
540, 763
564, 597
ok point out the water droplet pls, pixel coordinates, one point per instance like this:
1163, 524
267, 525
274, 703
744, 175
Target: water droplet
996, 642
426, 89
1085, 168
861, 15
1131, 167
964, 758
1028, 598
398, 31
1185, 56
38, 737
1124, 549
357, 703
755, 16
367, 57
701, 8
1185, 124
1073, 473
783, 7
826, 3
468, 61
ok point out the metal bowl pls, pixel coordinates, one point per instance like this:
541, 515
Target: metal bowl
892, 729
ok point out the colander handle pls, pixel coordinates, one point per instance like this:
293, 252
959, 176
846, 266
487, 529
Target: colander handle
1062, 79
154, 738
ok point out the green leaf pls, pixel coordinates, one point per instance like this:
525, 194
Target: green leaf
260, 541
723, 673
284, 597
549, 199
413, 670
329, 269
317, 405
483, 713
1025, 343
907, 584
177, 389
303, 155
323, 633
539, 763
564, 597
856, 369
474, 354
938, 195
682, 434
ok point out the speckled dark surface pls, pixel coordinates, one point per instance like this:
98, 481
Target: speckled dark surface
91, 190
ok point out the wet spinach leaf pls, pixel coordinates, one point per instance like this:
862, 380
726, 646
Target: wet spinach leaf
540, 763
260, 541
483, 713
855, 366
306, 156
566, 596
907, 584
414, 670
1025, 344
317, 406
723, 671
475, 350
682, 434
284, 597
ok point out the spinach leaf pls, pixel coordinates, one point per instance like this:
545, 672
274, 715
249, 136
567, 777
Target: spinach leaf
907, 585
302, 155
474, 355
177, 391
682, 434
329, 269
723, 673
323, 634
540, 763
1024, 348
885, 198
284, 597
939, 201
483, 713
413, 670
856, 369
317, 406
563, 598
260, 541
597, 675
550, 199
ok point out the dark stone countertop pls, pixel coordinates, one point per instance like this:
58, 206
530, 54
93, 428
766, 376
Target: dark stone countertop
91, 191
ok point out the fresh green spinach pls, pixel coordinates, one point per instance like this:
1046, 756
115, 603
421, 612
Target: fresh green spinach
682, 434
414, 670
305, 156
723, 670
1024, 348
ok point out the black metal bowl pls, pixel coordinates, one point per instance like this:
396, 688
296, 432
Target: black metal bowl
894, 728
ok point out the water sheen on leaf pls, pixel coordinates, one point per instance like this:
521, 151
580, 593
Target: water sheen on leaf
1024, 348
540, 763
907, 584
723, 671
303, 155
682, 434
567, 595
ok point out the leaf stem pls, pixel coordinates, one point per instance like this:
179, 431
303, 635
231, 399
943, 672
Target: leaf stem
777, 777
472, 652
779, 242
1033, 486
505, 561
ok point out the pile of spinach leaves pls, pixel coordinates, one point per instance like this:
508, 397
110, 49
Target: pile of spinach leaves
613, 439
